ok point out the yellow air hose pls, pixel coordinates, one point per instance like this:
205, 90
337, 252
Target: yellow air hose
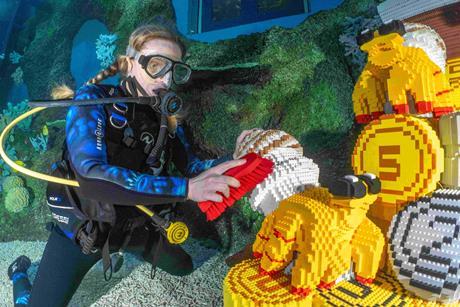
176, 232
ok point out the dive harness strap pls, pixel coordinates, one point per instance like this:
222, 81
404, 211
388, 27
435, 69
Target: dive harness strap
114, 263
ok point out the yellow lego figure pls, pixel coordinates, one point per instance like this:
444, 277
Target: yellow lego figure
324, 233
394, 72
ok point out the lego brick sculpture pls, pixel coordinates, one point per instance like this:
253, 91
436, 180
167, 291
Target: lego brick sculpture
255, 289
385, 291
424, 246
453, 72
262, 142
292, 172
318, 232
320, 229
406, 154
401, 79
449, 133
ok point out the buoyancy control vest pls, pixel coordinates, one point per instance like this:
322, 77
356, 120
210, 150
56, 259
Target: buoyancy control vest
131, 133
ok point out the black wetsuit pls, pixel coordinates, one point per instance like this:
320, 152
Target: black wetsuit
110, 172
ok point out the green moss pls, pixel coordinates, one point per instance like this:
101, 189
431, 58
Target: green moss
124, 16
243, 49
253, 218
221, 122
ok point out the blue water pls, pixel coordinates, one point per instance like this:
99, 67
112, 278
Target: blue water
181, 8
84, 64
18, 93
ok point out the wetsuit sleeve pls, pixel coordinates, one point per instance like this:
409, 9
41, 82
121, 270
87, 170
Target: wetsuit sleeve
85, 139
184, 158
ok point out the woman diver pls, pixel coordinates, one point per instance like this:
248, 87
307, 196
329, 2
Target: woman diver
119, 154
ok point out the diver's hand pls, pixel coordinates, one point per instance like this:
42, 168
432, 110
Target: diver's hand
207, 185
241, 138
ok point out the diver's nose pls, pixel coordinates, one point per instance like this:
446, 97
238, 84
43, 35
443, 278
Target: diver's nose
166, 80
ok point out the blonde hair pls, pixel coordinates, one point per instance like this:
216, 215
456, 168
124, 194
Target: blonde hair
137, 39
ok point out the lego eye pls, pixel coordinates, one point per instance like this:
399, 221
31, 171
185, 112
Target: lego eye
394, 26
365, 37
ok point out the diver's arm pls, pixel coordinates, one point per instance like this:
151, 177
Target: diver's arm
184, 158
85, 129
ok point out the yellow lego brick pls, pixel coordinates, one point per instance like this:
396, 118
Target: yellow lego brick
385, 291
367, 247
450, 138
449, 125
451, 151
453, 72
244, 286
451, 175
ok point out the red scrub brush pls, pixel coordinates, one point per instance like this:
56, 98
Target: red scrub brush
250, 174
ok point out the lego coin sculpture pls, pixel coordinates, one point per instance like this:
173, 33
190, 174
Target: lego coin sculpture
244, 286
406, 154
424, 246
384, 291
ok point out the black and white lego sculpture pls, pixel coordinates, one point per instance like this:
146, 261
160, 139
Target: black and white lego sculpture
424, 246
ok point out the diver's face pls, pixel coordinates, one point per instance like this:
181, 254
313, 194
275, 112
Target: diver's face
157, 46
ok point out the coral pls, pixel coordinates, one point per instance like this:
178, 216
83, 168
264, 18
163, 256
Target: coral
17, 199
12, 111
123, 16
11, 182
4, 168
17, 76
353, 27
39, 142
56, 123
105, 48
252, 218
15, 57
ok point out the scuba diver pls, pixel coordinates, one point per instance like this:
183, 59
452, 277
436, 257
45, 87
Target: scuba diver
119, 153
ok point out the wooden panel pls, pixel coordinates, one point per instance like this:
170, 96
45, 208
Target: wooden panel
445, 21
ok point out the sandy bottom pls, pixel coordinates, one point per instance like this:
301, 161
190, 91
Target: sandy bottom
131, 286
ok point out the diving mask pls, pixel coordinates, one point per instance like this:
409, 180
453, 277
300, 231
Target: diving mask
157, 66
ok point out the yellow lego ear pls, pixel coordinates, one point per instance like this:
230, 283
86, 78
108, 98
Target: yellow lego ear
393, 39
364, 39
396, 39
